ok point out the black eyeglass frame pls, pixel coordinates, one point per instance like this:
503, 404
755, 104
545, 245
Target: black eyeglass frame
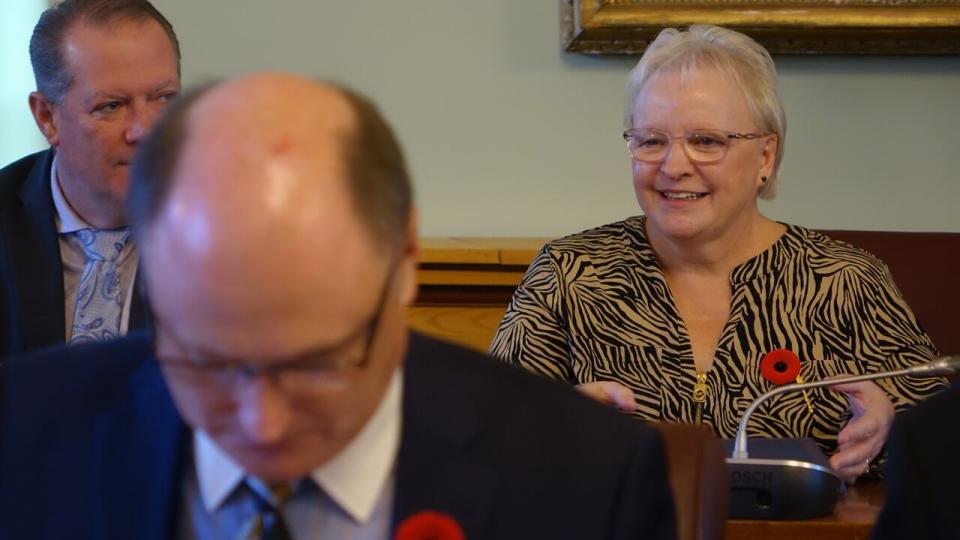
250, 370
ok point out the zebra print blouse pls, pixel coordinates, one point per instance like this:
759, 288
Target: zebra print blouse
595, 306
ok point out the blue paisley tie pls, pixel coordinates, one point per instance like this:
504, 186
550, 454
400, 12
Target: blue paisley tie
100, 300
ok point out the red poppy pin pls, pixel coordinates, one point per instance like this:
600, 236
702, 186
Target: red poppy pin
429, 525
780, 366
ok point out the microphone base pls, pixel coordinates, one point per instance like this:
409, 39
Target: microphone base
783, 479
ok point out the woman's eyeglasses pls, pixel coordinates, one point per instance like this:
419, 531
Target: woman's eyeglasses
700, 146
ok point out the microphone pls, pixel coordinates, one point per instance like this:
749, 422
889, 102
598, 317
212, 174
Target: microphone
941, 367
785, 486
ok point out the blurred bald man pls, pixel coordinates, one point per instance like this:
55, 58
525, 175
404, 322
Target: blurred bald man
281, 394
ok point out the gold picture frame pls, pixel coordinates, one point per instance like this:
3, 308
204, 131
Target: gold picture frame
782, 26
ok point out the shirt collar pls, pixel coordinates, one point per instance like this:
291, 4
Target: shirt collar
67, 219
354, 478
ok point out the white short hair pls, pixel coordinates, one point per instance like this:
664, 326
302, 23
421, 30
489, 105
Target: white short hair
734, 56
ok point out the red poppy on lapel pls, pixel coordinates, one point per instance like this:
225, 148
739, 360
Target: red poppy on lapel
780, 366
429, 525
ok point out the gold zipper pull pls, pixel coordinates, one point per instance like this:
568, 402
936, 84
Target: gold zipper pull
806, 396
700, 391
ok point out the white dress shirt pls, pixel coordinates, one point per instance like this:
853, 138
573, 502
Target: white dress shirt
352, 495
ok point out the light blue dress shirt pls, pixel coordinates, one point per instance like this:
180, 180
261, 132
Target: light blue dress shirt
348, 498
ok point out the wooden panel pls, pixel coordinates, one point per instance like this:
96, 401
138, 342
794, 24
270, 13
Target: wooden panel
468, 276
457, 251
496, 251
513, 251
458, 295
472, 326
853, 519
465, 285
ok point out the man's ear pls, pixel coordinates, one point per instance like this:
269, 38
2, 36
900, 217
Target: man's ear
42, 109
409, 261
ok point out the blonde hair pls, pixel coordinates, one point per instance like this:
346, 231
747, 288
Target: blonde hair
734, 56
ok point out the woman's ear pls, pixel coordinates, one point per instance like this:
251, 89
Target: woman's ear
768, 157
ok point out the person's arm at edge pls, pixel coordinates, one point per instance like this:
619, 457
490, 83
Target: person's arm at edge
905, 508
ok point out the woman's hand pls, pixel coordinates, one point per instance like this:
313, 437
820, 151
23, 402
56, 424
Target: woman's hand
610, 393
864, 435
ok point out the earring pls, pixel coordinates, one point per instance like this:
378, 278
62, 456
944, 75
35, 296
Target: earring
763, 179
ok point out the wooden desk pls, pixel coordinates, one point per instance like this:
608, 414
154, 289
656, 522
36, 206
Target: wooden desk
853, 519
466, 284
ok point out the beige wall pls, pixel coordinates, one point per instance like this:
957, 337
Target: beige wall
508, 136
18, 132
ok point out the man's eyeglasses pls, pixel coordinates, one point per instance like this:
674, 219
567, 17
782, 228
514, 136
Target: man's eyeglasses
308, 373
701, 146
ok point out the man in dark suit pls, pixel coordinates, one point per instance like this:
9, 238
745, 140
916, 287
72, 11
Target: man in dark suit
280, 394
104, 70
921, 475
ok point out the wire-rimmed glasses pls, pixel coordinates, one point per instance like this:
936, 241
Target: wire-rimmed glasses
701, 145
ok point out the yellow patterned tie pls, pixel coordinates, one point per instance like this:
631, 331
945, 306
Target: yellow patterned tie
269, 524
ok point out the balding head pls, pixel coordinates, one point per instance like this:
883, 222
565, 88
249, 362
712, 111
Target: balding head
257, 248
375, 169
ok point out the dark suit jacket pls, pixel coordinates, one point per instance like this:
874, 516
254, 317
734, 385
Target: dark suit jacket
922, 482
94, 448
31, 271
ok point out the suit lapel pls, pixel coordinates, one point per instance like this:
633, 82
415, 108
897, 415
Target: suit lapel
138, 305
31, 236
436, 468
142, 449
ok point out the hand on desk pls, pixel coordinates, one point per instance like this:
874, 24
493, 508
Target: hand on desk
610, 393
864, 435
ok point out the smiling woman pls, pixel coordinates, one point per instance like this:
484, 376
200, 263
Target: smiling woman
668, 315
18, 134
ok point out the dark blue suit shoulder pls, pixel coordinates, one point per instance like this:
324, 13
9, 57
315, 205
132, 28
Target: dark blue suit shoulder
59, 378
15, 174
448, 373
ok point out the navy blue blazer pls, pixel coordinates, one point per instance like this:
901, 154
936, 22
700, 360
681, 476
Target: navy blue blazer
93, 448
31, 270
922, 482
